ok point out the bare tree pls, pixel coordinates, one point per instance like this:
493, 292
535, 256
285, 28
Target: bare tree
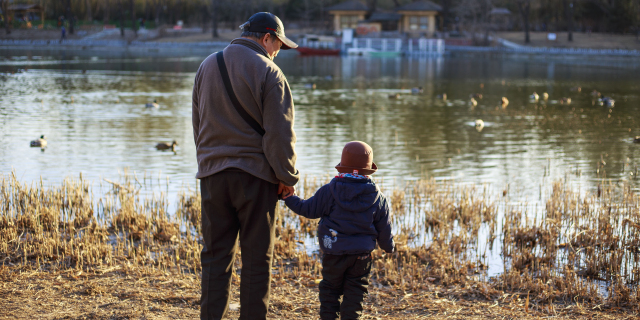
4, 5
214, 18
147, 10
525, 7
121, 14
133, 18
204, 13
568, 9
638, 20
70, 17
89, 16
158, 5
107, 10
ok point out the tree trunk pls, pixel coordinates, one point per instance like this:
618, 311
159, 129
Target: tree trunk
568, 10
70, 17
446, 5
179, 11
89, 16
107, 10
133, 18
147, 10
373, 5
158, 12
570, 22
214, 18
524, 6
121, 14
4, 4
204, 18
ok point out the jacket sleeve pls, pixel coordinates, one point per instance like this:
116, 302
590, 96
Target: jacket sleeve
279, 139
383, 226
311, 208
195, 111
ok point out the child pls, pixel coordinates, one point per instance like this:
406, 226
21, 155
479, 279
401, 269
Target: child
353, 215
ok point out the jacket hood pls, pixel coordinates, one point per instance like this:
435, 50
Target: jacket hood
353, 194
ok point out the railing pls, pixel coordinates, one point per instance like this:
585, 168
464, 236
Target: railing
323, 44
378, 44
411, 46
425, 46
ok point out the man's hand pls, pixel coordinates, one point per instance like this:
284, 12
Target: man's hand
285, 191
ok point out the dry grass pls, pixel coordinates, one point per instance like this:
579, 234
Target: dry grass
67, 254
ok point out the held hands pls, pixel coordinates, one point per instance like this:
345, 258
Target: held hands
285, 191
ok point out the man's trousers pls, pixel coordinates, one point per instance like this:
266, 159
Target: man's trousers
236, 204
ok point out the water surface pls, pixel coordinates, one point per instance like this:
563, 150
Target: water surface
90, 106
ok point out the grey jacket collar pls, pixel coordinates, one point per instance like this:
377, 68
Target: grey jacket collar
251, 45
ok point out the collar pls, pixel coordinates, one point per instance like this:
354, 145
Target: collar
351, 175
253, 45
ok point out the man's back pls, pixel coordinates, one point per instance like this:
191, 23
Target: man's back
223, 138
243, 168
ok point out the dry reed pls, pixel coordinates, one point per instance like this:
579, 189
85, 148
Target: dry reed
578, 256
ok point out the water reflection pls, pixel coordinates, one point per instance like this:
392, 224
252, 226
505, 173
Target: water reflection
92, 108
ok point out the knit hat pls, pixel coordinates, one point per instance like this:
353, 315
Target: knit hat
357, 156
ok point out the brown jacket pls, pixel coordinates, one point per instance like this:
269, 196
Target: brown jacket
223, 139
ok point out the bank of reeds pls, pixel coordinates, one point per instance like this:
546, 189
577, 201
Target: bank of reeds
581, 250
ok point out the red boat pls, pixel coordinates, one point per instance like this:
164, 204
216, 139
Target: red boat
317, 51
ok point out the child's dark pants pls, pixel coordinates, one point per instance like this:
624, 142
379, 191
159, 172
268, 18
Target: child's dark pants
346, 275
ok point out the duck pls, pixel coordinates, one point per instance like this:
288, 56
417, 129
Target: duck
394, 96
41, 142
565, 100
476, 95
504, 102
152, 105
535, 97
416, 90
596, 94
473, 103
442, 97
607, 102
311, 86
479, 125
167, 145
545, 96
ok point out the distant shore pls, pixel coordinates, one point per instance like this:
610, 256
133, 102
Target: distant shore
194, 41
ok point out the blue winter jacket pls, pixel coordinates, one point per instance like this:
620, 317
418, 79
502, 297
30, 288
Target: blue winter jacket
353, 215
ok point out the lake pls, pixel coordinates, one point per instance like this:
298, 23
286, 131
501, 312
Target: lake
90, 106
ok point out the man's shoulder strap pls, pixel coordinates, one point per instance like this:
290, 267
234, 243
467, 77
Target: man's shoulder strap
234, 100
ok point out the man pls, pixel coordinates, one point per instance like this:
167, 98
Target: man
243, 167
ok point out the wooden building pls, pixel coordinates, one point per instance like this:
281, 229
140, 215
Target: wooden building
346, 15
26, 12
419, 18
415, 19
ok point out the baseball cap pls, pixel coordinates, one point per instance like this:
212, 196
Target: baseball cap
266, 22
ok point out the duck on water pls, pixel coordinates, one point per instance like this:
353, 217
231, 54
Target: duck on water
167, 145
152, 105
41, 142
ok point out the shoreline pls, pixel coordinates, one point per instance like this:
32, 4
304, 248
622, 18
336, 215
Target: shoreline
211, 46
